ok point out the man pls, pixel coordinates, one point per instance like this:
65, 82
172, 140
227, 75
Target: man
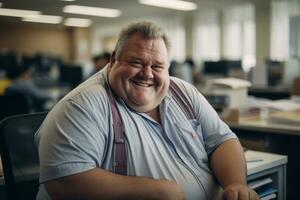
169, 157
22, 84
100, 61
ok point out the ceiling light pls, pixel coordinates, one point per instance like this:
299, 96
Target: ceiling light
17, 13
78, 22
94, 11
172, 4
49, 19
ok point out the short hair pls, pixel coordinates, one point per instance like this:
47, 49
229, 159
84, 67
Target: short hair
146, 29
14, 72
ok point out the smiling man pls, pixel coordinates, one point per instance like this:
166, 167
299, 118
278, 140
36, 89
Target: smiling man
139, 75
169, 155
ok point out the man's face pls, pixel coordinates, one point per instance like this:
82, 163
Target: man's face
140, 74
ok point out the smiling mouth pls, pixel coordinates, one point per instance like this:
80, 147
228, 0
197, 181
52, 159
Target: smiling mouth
141, 83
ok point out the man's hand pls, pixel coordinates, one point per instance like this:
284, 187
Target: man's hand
239, 192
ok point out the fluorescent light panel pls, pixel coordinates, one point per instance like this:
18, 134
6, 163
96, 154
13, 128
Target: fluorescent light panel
93, 11
49, 19
78, 22
17, 13
171, 4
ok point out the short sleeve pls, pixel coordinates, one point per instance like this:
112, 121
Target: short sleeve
70, 141
214, 130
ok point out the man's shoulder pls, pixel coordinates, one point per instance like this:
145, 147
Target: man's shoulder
184, 86
90, 91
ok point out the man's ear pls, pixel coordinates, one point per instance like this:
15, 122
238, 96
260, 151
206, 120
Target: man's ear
112, 59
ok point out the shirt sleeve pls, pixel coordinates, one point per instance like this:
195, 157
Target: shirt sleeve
215, 131
70, 141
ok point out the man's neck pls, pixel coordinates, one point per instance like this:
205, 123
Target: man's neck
154, 114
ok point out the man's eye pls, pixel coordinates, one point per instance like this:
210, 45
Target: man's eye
136, 64
157, 67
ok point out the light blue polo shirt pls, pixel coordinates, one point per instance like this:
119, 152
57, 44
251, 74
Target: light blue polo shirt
77, 136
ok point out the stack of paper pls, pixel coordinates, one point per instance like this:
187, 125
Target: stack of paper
230, 82
286, 118
267, 193
263, 188
270, 196
284, 105
258, 183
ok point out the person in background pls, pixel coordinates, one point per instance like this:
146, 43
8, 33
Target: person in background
100, 61
22, 84
169, 156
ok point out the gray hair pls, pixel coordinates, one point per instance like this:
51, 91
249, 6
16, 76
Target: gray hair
148, 30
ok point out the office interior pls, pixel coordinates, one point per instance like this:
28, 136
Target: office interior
227, 49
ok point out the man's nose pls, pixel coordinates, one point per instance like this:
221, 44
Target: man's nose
147, 72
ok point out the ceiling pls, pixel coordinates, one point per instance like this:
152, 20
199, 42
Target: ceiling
130, 8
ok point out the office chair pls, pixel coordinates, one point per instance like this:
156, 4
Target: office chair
13, 105
19, 155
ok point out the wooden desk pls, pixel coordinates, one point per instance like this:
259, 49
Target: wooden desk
271, 165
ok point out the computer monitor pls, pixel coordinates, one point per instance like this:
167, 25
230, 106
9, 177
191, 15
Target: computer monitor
275, 72
215, 68
233, 64
71, 74
42, 63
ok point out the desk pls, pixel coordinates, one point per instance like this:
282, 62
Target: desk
273, 138
270, 93
273, 166
265, 126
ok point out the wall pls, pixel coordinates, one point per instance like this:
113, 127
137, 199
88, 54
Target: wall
173, 24
81, 45
30, 39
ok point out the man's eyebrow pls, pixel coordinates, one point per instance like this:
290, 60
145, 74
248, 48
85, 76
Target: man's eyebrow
160, 63
135, 58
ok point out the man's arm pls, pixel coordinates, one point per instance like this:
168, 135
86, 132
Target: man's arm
229, 165
100, 184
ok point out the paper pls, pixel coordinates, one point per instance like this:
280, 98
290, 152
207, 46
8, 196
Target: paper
230, 82
285, 118
284, 105
266, 191
258, 183
268, 197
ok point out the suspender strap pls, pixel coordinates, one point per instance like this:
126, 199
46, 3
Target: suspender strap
181, 100
120, 158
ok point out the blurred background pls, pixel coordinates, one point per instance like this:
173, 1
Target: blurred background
243, 55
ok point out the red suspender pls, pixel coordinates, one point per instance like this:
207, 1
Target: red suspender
120, 158
181, 100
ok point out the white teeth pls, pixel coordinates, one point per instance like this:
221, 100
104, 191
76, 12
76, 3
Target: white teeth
142, 84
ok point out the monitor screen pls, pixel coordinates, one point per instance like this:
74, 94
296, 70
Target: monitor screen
215, 68
234, 64
71, 74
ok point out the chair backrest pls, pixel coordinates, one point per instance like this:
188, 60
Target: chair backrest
19, 155
13, 105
